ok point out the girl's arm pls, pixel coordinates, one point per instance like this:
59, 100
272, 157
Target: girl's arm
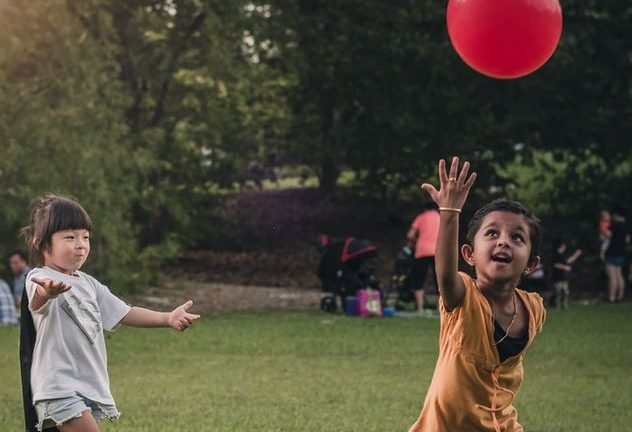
46, 290
178, 319
450, 198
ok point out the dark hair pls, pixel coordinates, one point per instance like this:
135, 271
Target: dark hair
50, 214
505, 205
19, 253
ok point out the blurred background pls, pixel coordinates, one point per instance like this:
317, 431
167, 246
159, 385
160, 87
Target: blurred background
215, 140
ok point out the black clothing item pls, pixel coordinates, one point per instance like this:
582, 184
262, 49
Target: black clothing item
509, 347
559, 275
27, 344
617, 241
419, 271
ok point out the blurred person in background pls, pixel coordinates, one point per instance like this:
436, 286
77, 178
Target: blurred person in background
422, 236
19, 267
615, 255
7, 305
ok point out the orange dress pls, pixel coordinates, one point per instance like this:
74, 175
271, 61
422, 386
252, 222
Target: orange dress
471, 390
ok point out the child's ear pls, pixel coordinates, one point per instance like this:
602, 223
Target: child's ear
532, 266
468, 254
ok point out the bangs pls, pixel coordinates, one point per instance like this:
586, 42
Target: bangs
68, 215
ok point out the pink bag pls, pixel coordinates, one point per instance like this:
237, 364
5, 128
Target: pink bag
369, 303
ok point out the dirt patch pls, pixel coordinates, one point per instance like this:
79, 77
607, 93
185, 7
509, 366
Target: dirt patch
216, 298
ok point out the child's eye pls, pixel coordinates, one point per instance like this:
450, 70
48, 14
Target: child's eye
518, 237
491, 233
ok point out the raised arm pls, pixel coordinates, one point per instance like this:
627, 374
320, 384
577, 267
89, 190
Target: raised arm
450, 198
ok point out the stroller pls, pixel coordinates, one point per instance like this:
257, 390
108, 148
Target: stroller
346, 265
399, 284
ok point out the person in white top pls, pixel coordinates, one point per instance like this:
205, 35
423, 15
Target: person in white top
70, 309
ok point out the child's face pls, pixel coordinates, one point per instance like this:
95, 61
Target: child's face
69, 250
501, 247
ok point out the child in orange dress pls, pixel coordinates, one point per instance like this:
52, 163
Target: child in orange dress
487, 323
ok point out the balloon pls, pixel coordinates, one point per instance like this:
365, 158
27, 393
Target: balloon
504, 38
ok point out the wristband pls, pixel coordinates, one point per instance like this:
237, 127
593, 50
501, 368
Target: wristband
456, 210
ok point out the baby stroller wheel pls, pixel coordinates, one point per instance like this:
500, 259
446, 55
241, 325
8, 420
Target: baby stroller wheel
328, 304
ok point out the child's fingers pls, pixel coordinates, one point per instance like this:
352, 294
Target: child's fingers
52, 286
443, 176
62, 288
187, 305
471, 180
193, 317
184, 324
454, 167
41, 282
430, 189
464, 171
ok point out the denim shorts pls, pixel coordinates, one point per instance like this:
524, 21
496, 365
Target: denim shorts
615, 260
55, 412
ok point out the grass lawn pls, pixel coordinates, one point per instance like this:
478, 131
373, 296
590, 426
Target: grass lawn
284, 371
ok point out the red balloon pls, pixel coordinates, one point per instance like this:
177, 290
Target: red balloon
505, 38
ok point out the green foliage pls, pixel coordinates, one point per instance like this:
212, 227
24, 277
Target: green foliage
380, 90
62, 131
140, 110
148, 110
570, 187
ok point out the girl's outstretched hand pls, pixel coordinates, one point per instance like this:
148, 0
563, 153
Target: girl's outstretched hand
180, 319
50, 288
453, 190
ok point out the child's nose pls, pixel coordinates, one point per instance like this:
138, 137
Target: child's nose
503, 240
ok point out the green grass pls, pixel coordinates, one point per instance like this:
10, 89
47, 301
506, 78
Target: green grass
286, 371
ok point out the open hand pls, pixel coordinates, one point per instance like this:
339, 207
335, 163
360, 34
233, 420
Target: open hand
180, 319
453, 190
51, 288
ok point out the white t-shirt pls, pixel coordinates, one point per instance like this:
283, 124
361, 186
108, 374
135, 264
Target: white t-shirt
69, 355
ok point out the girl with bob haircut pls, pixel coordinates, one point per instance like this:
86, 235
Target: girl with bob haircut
487, 323
64, 368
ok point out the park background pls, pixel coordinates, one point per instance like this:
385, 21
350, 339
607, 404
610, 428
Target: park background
212, 141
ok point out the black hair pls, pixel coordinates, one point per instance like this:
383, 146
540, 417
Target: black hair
19, 253
50, 214
535, 229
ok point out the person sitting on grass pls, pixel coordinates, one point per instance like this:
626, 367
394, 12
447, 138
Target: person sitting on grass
64, 372
487, 323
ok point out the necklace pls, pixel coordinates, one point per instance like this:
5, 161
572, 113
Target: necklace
515, 314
